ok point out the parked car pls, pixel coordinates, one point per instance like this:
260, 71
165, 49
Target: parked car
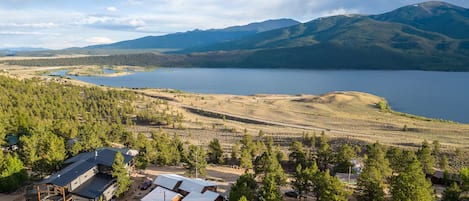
145, 185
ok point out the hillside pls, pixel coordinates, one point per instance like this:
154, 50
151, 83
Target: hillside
434, 16
426, 36
198, 37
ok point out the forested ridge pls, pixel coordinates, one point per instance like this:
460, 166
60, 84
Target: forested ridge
54, 121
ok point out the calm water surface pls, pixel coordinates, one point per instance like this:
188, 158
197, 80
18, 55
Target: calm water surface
433, 94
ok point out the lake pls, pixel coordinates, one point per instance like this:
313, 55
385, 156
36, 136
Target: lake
427, 93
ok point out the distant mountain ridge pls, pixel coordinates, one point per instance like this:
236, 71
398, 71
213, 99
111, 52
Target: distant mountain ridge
196, 38
426, 36
434, 16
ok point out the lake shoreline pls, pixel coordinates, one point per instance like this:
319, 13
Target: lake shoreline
224, 81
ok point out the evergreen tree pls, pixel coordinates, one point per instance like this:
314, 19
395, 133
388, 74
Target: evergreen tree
246, 159
426, 158
370, 184
215, 152
464, 175
376, 157
411, 184
303, 179
324, 153
298, 154
248, 144
245, 186
443, 164
243, 198
436, 148
121, 174
12, 173
344, 158
281, 156
452, 193
235, 152
395, 156
267, 164
328, 188
270, 190
195, 162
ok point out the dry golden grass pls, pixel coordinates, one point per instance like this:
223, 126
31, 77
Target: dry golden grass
341, 114
351, 115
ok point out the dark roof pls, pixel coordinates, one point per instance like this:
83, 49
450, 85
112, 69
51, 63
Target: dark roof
82, 163
70, 173
95, 186
105, 156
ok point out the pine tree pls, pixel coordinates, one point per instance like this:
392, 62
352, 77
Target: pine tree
243, 198
436, 148
298, 154
246, 159
411, 184
215, 152
328, 188
324, 153
248, 144
464, 175
344, 158
195, 162
426, 158
267, 164
395, 156
235, 152
270, 190
245, 186
121, 174
303, 179
12, 173
443, 164
377, 157
452, 193
370, 184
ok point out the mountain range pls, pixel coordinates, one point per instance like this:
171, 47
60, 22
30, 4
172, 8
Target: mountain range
198, 38
426, 36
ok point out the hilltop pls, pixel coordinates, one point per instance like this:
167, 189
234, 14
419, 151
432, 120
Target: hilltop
426, 36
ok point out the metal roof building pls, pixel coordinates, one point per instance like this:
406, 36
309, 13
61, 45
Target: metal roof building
162, 194
86, 176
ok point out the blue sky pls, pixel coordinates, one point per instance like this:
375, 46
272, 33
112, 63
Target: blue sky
60, 24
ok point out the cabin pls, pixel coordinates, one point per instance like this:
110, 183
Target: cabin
87, 177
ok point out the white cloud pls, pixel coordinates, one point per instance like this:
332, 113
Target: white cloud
46, 25
24, 33
99, 40
134, 2
112, 22
34, 22
340, 11
111, 9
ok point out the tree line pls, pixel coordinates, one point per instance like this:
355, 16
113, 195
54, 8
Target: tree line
55, 121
